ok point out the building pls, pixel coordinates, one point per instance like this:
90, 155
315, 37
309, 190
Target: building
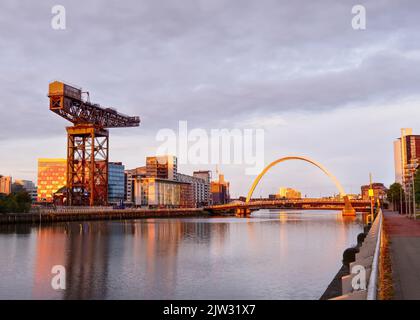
116, 182
379, 191
406, 156
5, 185
51, 178
26, 185
289, 193
200, 189
206, 176
162, 193
130, 176
220, 191
162, 167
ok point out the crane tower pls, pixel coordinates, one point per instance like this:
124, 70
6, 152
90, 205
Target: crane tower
87, 143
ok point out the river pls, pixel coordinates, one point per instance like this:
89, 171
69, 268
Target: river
271, 255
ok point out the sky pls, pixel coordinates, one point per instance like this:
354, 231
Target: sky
295, 69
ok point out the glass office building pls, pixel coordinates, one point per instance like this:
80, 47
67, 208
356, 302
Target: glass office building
116, 182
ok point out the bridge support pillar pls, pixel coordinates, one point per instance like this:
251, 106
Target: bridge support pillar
242, 212
348, 210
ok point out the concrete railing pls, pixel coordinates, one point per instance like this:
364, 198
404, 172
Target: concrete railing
364, 270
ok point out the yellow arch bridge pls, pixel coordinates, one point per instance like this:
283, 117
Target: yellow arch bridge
244, 208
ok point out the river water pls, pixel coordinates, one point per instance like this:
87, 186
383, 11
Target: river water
271, 255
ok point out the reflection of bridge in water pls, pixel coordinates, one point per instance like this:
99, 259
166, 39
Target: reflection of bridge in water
347, 206
245, 208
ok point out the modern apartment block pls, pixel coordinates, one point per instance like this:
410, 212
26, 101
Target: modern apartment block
162, 167
206, 176
200, 189
51, 178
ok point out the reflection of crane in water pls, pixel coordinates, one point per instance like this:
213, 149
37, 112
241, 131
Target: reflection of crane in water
87, 142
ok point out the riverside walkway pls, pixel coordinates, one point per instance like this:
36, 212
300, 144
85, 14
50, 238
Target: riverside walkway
404, 236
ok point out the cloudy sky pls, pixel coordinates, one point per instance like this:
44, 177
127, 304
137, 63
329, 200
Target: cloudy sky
296, 69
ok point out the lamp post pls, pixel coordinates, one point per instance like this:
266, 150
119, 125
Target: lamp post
401, 199
371, 195
412, 168
414, 195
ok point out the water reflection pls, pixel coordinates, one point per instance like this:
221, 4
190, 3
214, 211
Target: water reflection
272, 255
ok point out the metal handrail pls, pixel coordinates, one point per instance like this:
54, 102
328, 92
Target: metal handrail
373, 280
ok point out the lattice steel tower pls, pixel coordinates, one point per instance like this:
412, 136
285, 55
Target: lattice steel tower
87, 143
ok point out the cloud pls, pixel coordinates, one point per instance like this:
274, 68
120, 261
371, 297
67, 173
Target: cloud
213, 63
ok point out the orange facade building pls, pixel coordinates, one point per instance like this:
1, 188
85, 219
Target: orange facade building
51, 177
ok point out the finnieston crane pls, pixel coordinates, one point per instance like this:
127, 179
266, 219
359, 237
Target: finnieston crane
87, 143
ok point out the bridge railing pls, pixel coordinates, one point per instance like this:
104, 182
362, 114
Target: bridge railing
285, 201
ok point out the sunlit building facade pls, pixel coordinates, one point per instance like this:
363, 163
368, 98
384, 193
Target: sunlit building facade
51, 178
220, 191
162, 167
289, 193
130, 176
5, 185
406, 155
162, 193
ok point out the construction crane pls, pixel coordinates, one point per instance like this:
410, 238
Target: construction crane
87, 143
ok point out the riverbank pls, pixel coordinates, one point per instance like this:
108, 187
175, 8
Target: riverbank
53, 216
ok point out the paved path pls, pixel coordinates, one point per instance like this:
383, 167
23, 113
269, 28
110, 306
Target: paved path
404, 236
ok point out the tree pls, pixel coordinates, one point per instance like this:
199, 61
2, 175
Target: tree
394, 194
15, 202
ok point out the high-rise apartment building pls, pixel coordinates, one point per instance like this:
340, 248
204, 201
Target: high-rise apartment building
162, 167
5, 185
51, 178
406, 156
